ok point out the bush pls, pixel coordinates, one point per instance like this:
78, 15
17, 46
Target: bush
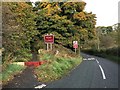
112, 53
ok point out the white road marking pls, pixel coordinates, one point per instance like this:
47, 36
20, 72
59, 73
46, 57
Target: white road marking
97, 61
103, 74
84, 59
102, 71
40, 86
91, 58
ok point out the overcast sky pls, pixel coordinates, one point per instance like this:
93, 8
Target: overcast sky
106, 11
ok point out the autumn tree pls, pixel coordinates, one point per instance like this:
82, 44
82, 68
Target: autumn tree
66, 20
18, 26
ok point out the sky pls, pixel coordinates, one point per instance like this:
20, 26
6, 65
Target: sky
106, 11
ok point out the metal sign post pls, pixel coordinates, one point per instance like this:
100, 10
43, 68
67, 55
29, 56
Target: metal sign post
52, 42
47, 46
75, 50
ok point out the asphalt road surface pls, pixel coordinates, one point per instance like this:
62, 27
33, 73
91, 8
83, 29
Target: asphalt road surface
93, 72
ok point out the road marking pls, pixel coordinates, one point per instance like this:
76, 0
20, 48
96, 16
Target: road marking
40, 86
97, 61
103, 74
89, 59
84, 59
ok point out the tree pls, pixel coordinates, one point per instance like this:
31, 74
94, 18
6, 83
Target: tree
18, 26
104, 30
65, 20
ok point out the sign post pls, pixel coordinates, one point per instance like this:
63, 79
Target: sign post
51, 43
47, 46
75, 45
49, 39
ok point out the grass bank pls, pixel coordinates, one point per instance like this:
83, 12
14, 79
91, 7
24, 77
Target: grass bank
111, 54
9, 73
56, 66
9, 70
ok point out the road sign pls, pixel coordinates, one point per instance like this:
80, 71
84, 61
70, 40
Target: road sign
75, 44
49, 38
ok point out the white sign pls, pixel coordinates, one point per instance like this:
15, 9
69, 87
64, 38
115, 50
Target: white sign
75, 42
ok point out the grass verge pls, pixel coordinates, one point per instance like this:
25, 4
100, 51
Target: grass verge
9, 72
56, 66
111, 54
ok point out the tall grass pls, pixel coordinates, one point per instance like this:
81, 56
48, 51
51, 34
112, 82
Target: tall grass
56, 67
111, 54
9, 72
8, 69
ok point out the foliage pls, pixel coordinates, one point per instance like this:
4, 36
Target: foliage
18, 26
56, 66
111, 54
65, 20
108, 42
104, 30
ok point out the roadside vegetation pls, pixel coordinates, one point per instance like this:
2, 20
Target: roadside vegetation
9, 73
9, 70
106, 44
18, 28
57, 65
111, 54
24, 27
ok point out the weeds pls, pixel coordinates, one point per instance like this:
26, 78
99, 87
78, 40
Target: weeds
111, 54
56, 67
9, 72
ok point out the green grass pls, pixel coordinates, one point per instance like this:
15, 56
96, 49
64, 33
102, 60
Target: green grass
111, 57
56, 67
111, 54
9, 72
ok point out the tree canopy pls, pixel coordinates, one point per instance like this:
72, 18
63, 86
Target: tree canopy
66, 20
24, 26
18, 26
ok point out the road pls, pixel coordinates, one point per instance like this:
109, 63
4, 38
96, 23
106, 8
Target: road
93, 72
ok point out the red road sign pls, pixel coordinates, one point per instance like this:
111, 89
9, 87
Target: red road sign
75, 44
49, 38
